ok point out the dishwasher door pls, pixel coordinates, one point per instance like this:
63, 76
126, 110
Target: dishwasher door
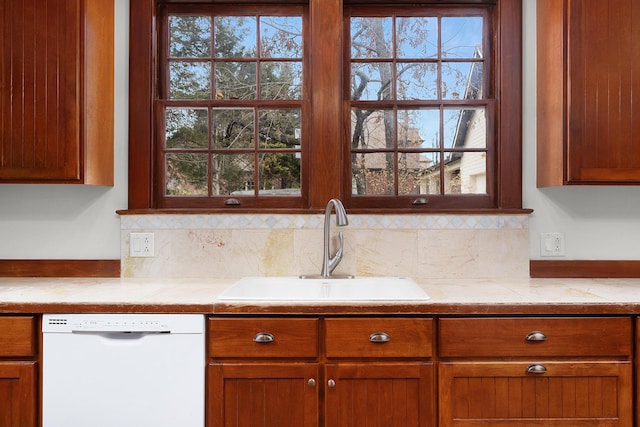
110, 370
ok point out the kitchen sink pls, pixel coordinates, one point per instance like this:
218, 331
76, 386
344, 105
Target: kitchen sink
324, 289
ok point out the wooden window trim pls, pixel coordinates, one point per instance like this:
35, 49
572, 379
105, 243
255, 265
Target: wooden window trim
327, 107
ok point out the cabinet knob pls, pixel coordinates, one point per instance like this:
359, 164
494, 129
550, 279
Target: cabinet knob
263, 337
536, 369
535, 336
311, 382
331, 383
379, 337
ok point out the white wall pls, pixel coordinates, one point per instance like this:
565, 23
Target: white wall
598, 222
69, 221
75, 222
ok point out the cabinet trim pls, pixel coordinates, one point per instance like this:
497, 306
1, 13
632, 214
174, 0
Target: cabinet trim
584, 269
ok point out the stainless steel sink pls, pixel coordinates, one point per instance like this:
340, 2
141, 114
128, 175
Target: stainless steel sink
322, 289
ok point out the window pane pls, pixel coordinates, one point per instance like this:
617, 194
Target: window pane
280, 128
430, 173
465, 128
281, 37
461, 80
417, 81
461, 36
235, 36
466, 173
281, 80
371, 37
371, 81
186, 128
232, 174
279, 174
417, 37
186, 174
190, 36
233, 128
372, 129
419, 128
189, 80
236, 80
411, 167
372, 173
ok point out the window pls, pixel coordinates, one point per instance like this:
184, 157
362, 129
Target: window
231, 106
260, 107
419, 102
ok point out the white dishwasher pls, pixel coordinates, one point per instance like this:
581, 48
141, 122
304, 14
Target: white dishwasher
123, 370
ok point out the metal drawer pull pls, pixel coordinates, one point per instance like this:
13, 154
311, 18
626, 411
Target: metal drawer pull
536, 369
379, 337
331, 383
263, 337
536, 336
311, 382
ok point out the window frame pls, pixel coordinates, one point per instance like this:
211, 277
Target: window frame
163, 100
326, 22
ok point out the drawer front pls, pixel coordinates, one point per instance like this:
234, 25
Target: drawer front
558, 394
535, 337
17, 336
379, 337
263, 338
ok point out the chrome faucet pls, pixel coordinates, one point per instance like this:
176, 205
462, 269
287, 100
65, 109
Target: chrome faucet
330, 263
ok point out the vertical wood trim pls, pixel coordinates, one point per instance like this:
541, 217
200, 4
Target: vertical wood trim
60, 268
141, 78
326, 103
509, 96
98, 114
550, 84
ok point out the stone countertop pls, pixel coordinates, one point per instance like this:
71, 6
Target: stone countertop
448, 296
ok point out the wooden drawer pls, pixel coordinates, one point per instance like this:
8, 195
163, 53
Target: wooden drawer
17, 336
379, 337
257, 337
509, 394
536, 337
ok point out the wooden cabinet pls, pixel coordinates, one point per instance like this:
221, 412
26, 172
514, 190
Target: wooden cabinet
275, 372
561, 372
18, 376
56, 103
379, 372
263, 372
588, 73
637, 371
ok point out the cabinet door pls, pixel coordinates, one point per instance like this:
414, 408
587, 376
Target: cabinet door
588, 56
553, 394
379, 395
56, 103
603, 130
17, 394
262, 395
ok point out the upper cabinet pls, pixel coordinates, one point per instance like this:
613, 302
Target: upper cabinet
56, 99
588, 56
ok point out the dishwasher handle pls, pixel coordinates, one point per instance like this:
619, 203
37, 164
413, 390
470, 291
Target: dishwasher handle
112, 332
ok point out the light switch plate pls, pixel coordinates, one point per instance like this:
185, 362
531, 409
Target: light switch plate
141, 245
551, 244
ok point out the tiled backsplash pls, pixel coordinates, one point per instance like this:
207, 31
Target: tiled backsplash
419, 246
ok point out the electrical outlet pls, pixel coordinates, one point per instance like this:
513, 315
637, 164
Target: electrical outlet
141, 245
552, 244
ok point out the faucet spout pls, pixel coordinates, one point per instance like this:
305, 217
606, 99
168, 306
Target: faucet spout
329, 263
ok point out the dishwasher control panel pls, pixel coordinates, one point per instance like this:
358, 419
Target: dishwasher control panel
138, 323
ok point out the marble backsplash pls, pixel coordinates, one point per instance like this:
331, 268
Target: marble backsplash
419, 246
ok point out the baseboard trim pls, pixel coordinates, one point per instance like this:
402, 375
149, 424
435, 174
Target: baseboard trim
59, 268
584, 269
